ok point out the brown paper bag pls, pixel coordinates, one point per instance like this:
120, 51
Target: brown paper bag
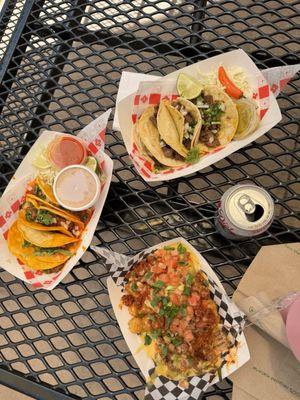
272, 373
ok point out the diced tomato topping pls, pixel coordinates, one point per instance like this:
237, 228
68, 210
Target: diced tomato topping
174, 297
190, 310
159, 268
194, 299
172, 262
188, 336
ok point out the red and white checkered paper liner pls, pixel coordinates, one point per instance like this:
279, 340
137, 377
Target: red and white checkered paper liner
151, 92
94, 137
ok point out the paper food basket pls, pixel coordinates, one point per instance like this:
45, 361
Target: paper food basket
150, 93
94, 137
231, 317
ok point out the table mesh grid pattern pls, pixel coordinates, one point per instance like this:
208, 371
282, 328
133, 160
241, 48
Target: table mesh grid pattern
65, 72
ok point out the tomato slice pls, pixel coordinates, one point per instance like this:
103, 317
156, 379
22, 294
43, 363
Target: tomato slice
230, 87
67, 151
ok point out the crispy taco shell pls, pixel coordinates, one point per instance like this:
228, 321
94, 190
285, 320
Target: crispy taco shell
41, 227
15, 241
141, 147
44, 238
149, 136
44, 205
47, 190
229, 119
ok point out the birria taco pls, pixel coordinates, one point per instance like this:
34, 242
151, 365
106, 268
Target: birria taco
36, 257
219, 119
179, 122
38, 214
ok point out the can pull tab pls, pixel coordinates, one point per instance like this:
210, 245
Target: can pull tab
246, 204
253, 211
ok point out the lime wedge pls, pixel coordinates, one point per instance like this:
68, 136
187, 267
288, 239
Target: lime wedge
188, 87
91, 163
41, 161
248, 118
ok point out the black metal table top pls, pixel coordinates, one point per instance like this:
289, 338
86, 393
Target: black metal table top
60, 63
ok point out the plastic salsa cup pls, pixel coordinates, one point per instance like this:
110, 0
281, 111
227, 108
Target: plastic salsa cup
76, 188
65, 151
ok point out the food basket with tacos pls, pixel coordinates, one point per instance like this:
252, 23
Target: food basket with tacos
182, 329
196, 116
51, 207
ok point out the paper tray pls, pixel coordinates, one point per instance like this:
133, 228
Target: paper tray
119, 265
128, 107
13, 196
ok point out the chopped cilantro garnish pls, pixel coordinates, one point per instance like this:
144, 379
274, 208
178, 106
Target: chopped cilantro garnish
37, 191
42, 251
45, 218
134, 287
148, 340
182, 310
28, 215
161, 312
189, 279
156, 333
186, 291
152, 317
165, 301
148, 275
181, 249
170, 313
158, 285
176, 341
193, 156
169, 248
155, 301
26, 244
190, 360
164, 350
182, 263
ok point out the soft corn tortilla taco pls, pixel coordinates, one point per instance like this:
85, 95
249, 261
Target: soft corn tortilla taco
149, 141
219, 119
178, 123
38, 214
143, 151
35, 257
44, 238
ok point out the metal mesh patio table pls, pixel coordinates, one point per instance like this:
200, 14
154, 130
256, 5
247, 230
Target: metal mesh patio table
60, 64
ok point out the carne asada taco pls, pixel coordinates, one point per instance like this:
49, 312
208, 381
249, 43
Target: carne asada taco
219, 119
40, 215
179, 122
150, 143
37, 257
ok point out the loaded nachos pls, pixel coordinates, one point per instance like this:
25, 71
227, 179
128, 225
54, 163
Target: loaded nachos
168, 297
